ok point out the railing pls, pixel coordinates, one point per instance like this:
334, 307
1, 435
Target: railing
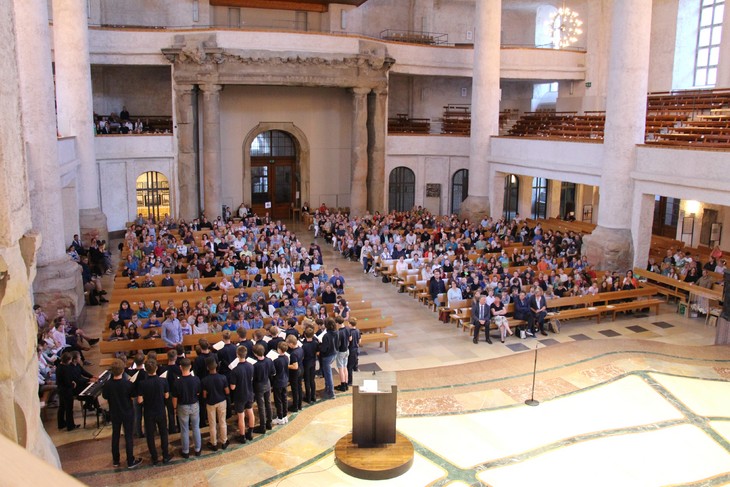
415, 37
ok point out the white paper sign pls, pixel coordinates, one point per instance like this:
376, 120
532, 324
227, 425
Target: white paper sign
218, 345
370, 385
272, 354
163, 375
251, 360
267, 204
233, 364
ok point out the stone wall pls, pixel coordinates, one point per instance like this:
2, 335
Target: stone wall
144, 90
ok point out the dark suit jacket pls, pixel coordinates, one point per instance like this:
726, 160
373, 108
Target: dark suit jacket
475, 313
436, 287
533, 302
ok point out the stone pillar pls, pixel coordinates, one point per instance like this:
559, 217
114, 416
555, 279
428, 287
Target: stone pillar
212, 172
75, 109
377, 127
58, 282
723, 67
643, 217
610, 246
484, 107
19, 404
359, 174
187, 175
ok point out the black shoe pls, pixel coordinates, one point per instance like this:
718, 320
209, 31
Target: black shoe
502, 340
93, 341
225, 445
241, 439
475, 340
212, 446
116, 465
544, 333
102, 292
293, 409
135, 463
249, 434
261, 430
74, 427
155, 463
489, 340
185, 455
103, 300
268, 425
198, 452
166, 460
87, 363
172, 431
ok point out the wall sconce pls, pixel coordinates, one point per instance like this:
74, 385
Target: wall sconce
692, 207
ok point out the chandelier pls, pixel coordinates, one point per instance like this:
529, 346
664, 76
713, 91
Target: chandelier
565, 26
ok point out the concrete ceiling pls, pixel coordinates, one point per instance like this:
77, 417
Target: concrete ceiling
299, 5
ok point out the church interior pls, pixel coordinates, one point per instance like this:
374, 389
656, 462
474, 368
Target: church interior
607, 119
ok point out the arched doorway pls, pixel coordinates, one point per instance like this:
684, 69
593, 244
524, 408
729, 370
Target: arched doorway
459, 189
511, 196
153, 195
567, 199
401, 189
273, 173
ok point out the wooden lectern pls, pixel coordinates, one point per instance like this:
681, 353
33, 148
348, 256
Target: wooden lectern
374, 400
374, 450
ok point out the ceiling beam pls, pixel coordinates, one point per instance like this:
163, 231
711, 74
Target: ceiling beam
273, 4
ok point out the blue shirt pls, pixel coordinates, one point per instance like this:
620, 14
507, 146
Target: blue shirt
172, 332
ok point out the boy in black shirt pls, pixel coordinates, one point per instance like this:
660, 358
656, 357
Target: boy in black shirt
171, 372
296, 366
263, 371
281, 380
215, 390
352, 359
310, 347
66, 384
185, 401
119, 392
153, 391
241, 385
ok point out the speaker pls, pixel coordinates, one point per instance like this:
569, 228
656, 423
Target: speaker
726, 298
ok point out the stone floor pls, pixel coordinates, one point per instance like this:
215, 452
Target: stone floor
639, 401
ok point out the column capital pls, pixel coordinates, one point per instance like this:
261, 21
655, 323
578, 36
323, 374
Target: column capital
211, 88
381, 91
183, 89
359, 90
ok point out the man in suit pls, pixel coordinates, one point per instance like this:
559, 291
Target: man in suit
480, 318
538, 308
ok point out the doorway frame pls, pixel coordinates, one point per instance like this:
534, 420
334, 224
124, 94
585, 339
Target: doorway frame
302, 154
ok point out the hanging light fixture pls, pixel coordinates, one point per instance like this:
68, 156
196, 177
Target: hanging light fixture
565, 26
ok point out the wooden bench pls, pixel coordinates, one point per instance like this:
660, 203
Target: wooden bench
633, 306
374, 325
381, 338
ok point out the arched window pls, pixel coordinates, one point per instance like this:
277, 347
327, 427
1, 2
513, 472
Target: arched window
511, 196
273, 143
153, 195
539, 197
401, 189
567, 199
459, 189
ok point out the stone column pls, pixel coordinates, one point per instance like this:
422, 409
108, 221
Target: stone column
212, 171
186, 172
58, 282
19, 405
484, 107
723, 67
359, 162
377, 127
610, 245
75, 108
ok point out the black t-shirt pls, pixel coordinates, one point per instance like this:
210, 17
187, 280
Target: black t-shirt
215, 387
310, 351
119, 392
281, 368
329, 297
296, 355
355, 339
187, 390
226, 355
263, 371
153, 390
242, 378
273, 343
199, 367
343, 339
329, 344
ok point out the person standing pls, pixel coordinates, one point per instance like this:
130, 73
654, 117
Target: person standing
119, 393
352, 359
66, 386
296, 366
241, 384
328, 352
279, 383
153, 392
263, 371
343, 352
185, 401
310, 348
480, 318
215, 390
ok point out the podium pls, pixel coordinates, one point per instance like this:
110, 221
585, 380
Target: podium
374, 450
